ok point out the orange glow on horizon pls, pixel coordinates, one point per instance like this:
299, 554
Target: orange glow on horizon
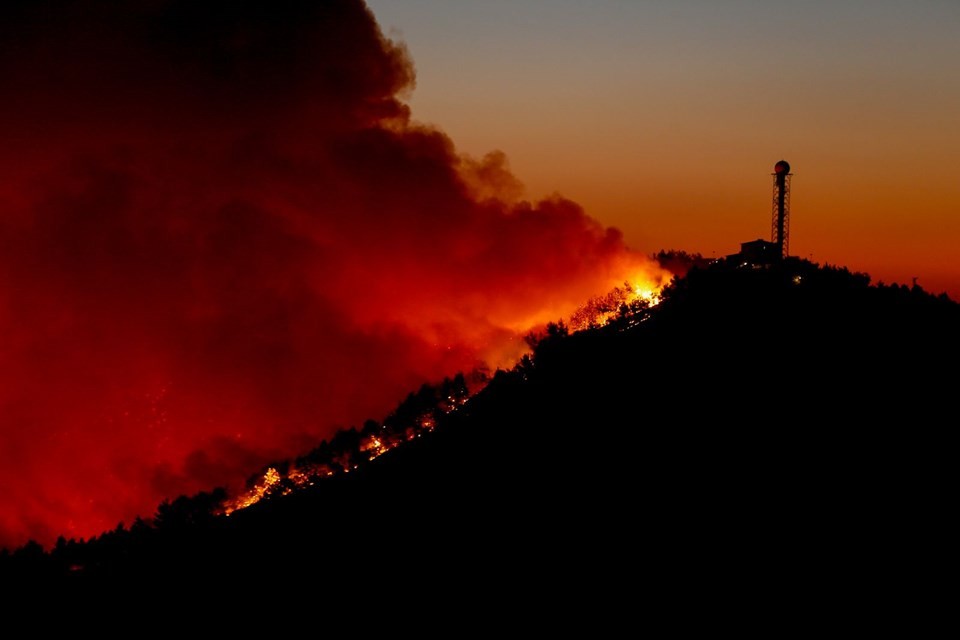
666, 124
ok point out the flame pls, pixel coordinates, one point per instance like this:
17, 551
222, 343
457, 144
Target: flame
372, 446
623, 301
271, 478
649, 294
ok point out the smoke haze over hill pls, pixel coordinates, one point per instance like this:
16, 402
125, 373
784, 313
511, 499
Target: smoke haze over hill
224, 236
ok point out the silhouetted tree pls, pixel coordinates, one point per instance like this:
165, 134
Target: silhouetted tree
185, 511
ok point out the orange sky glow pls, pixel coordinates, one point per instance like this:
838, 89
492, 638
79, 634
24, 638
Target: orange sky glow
665, 119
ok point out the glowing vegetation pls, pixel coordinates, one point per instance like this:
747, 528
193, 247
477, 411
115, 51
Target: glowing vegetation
419, 413
350, 449
621, 303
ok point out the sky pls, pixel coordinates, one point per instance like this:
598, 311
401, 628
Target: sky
230, 229
665, 119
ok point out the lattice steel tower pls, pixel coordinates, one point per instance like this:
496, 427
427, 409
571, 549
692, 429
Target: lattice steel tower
780, 227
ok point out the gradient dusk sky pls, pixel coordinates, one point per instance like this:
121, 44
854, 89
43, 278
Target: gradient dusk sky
664, 119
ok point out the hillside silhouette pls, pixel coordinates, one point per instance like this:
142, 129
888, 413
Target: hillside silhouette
759, 425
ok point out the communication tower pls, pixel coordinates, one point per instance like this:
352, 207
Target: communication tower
780, 227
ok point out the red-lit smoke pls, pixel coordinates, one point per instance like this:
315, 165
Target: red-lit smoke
222, 238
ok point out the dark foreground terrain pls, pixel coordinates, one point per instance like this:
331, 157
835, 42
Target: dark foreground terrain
768, 438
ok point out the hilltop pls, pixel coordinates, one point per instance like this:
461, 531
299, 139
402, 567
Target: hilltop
757, 425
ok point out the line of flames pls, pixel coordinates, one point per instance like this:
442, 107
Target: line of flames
376, 445
373, 446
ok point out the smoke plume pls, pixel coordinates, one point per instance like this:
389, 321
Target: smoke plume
223, 237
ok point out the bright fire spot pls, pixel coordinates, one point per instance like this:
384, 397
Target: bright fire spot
651, 295
622, 301
270, 479
375, 447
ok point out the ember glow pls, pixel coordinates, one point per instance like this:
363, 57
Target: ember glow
350, 449
225, 238
623, 301
632, 295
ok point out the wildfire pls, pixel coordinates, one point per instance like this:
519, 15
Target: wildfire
375, 446
361, 447
622, 302
648, 293
271, 478
625, 302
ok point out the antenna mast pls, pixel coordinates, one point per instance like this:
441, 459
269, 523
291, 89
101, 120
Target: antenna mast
780, 226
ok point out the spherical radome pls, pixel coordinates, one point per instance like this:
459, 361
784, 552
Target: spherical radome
782, 167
